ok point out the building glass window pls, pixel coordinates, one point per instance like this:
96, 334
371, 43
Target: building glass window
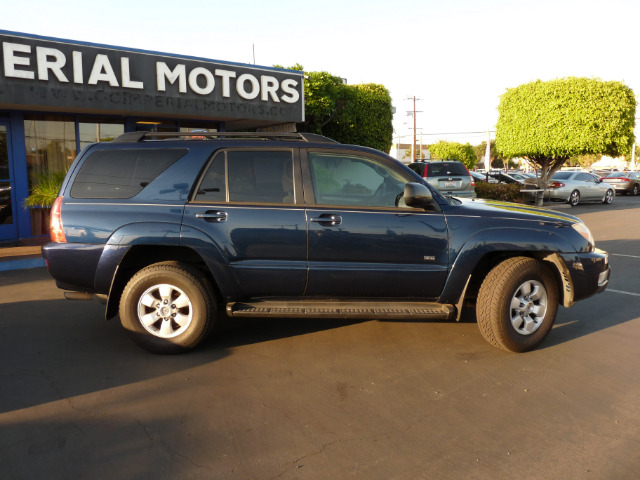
196, 129
50, 142
98, 131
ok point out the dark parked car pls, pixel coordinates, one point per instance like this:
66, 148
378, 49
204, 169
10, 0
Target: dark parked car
172, 233
502, 177
627, 183
482, 177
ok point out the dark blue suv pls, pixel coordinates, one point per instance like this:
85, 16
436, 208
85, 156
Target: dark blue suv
172, 231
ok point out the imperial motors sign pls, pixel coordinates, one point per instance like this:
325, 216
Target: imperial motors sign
50, 74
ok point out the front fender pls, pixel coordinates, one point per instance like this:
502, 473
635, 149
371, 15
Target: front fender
496, 240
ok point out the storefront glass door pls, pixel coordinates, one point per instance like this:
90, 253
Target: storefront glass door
8, 220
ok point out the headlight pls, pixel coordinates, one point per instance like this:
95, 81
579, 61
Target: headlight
582, 229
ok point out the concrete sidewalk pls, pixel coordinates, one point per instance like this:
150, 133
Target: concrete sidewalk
23, 254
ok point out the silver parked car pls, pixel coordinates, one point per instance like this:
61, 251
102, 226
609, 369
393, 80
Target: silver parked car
576, 187
449, 177
624, 182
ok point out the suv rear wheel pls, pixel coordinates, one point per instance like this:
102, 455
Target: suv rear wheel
517, 304
167, 308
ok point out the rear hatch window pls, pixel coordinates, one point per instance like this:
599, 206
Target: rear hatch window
121, 173
446, 169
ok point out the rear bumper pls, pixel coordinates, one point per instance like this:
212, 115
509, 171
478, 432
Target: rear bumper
83, 267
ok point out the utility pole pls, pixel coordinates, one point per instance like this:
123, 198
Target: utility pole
413, 148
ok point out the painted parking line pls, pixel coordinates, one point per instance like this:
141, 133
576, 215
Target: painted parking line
623, 292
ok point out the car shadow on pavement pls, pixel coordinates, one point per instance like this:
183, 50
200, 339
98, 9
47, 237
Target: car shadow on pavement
56, 349
234, 332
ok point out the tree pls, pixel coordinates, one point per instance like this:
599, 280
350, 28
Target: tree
454, 151
584, 161
365, 117
497, 160
550, 122
354, 114
323, 98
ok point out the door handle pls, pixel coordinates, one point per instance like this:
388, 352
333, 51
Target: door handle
212, 216
330, 219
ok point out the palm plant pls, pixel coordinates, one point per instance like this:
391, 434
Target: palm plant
45, 188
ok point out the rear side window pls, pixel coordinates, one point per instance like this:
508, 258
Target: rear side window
121, 173
446, 169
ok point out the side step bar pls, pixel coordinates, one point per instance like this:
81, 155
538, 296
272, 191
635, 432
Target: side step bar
342, 309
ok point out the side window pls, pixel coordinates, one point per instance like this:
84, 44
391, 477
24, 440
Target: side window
256, 176
583, 177
350, 180
121, 173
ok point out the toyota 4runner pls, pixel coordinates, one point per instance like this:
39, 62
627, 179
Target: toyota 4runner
172, 231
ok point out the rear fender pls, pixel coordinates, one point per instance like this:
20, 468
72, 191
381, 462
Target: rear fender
120, 242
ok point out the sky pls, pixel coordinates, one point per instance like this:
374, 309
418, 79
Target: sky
456, 57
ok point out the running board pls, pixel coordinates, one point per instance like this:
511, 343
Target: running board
342, 309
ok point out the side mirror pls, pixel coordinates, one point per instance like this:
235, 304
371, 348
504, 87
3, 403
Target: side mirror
417, 195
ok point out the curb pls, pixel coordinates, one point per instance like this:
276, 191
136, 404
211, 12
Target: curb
22, 263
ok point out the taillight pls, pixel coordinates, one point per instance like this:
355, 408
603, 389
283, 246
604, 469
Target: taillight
425, 174
473, 182
556, 185
57, 234
624, 179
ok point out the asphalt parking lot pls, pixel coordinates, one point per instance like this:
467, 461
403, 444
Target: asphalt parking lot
311, 399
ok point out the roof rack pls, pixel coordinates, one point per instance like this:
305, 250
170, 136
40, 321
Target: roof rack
133, 137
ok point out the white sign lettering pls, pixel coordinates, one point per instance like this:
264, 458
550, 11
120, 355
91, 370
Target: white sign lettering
175, 83
9, 51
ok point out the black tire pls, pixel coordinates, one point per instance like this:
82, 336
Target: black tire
574, 198
608, 197
509, 316
168, 308
635, 190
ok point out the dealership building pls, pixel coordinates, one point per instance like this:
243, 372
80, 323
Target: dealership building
57, 96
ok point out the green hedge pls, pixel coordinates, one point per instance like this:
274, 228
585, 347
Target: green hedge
364, 118
506, 192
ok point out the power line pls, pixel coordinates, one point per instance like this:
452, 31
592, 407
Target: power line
450, 133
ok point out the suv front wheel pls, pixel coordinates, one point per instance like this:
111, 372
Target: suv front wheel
517, 304
167, 308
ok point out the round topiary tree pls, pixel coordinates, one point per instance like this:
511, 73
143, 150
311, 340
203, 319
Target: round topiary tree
550, 122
